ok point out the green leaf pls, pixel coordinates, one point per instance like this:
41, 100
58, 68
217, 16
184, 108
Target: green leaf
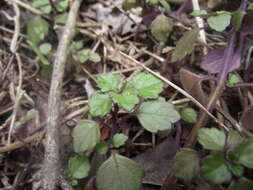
119, 139
100, 104
87, 54
199, 13
102, 147
189, 115
108, 82
185, 45
75, 46
234, 138
214, 169
153, 2
157, 115
242, 184
148, 85
161, 27
165, 5
237, 19
62, 5
118, 173
42, 58
232, 80
86, 135
79, 167
211, 139
127, 99
186, 164
45, 48
244, 153
250, 7
47, 9
219, 22
37, 30
236, 169
46, 70
40, 3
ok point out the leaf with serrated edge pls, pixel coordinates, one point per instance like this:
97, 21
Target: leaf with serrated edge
147, 85
127, 99
244, 152
157, 115
211, 139
86, 135
118, 173
100, 104
185, 45
186, 164
214, 169
108, 82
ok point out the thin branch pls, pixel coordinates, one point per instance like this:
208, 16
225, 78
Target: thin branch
51, 165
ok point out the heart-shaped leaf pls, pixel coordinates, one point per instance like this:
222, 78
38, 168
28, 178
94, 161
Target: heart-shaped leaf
189, 115
86, 135
119, 172
157, 115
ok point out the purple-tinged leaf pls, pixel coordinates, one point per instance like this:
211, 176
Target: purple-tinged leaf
213, 61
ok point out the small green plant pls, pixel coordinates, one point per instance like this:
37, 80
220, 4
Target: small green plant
138, 97
229, 157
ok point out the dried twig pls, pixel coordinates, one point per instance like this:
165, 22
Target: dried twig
51, 165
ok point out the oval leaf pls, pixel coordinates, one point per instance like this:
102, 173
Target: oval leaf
157, 115
148, 85
119, 140
219, 22
214, 169
185, 45
161, 27
119, 172
86, 135
211, 139
186, 164
79, 167
100, 104
189, 115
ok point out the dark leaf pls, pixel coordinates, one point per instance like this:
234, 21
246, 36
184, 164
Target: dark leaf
192, 84
213, 61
